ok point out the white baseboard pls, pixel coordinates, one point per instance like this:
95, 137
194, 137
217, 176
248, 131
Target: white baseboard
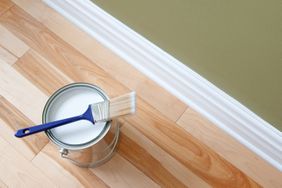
181, 81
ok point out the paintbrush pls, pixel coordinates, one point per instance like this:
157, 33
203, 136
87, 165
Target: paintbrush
102, 111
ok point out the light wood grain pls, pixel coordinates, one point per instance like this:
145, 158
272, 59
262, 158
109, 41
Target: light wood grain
146, 163
11, 120
6, 56
59, 53
42, 74
38, 10
62, 172
5, 5
21, 93
160, 99
200, 159
2, 184
12, 43
119, 173
169, 163
106, 59
230, 149
16, 171
6, 132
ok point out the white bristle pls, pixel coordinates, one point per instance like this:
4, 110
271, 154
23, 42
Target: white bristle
118, 106
123, 105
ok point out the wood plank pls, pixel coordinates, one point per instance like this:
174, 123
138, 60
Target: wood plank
105, 58
146, 163
18, 171
169, 164
160, 99
11, 120
6, 56
36, 8
2, 184
230, 149
5, 5
7, 133
58, 24
12, 43
41, 73
58, 52
119, 173
62, 172
21, 93
197, 157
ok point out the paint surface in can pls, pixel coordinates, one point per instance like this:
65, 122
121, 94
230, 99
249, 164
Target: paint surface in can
69, 102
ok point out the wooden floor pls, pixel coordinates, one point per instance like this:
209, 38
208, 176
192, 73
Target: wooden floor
166, 144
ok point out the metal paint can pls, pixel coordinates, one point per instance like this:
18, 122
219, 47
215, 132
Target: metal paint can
83, 143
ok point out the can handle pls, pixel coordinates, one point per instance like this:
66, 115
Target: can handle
64, 154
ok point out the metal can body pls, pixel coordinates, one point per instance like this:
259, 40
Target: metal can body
98, 153
85, 153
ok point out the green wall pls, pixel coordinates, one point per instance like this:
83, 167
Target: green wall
236, 45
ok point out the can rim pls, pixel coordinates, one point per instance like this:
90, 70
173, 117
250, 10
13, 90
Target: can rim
49, 103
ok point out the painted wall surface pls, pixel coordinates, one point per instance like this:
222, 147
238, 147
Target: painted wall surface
236, 45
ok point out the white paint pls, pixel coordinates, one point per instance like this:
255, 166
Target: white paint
201, 95
72, 102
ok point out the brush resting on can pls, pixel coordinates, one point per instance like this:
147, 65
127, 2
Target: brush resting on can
102, 111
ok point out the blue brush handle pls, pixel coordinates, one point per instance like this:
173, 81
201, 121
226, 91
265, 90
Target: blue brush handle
43, 127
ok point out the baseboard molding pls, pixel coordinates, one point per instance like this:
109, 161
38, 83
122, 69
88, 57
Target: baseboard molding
181, 81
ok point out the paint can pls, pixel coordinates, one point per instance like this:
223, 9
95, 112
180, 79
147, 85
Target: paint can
83, 143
